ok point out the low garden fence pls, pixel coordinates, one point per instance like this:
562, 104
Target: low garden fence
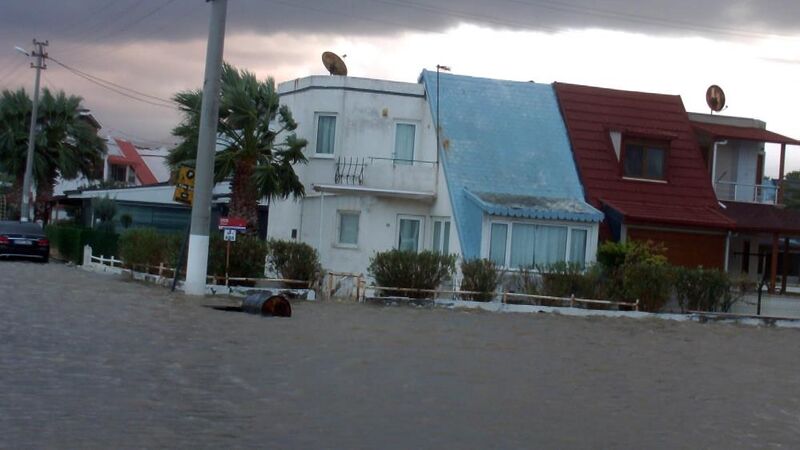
511, 297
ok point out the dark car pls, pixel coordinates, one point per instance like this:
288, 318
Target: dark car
23, 239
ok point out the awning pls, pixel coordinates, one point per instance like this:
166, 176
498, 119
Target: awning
761, 218
709, 216
720, 132
531, 207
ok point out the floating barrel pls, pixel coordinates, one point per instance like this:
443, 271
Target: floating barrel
266, 304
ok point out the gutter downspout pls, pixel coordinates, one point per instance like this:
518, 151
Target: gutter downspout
321, 212
727, 250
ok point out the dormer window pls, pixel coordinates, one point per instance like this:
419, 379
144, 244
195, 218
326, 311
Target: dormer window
645, 159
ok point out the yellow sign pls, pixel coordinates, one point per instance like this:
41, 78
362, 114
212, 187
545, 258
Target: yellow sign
184, 186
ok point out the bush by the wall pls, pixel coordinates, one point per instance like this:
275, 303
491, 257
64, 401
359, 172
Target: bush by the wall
406, 269
248, 255
69, 240
146, 246
564, 279
292, 260
479, 275
703, 289
633, 271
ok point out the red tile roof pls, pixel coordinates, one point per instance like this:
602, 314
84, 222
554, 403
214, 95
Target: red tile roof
134, 159
763, 218
719, 131
687, 197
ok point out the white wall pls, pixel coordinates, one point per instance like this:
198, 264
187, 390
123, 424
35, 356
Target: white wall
367, 112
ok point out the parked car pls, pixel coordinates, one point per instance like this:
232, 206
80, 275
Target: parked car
23, 239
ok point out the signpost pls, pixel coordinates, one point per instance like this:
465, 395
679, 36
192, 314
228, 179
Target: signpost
184, 193
229, 226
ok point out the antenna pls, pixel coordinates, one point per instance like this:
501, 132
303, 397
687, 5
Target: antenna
334, 64
715, 98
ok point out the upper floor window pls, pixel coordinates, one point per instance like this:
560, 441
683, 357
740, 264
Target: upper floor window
118, 173
645, 159
326, 133
404, 138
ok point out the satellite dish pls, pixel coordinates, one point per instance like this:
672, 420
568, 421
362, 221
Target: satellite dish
334, 64
715, 98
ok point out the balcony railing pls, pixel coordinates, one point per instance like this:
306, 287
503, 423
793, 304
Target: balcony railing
749, 193
386, 173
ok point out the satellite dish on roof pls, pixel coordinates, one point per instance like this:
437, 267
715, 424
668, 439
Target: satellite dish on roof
334, 64
715, 98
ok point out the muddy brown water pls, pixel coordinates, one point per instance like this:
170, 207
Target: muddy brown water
93, 361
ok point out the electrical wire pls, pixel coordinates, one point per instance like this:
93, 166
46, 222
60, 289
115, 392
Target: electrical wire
101, 80
117, 88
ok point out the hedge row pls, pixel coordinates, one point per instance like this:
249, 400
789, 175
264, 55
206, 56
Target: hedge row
69, 240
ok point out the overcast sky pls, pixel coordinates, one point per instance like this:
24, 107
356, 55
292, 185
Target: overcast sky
751, 48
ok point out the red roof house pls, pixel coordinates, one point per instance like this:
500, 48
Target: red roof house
639, 162
130, 162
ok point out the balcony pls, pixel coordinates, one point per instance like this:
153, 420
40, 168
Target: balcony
747, 193
386, 173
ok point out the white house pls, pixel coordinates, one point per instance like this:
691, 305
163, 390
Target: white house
502, 184
373, 180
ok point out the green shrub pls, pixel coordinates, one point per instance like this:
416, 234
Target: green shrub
410, 270
69, 240
146, 246
480, 275
105, 209
126, 220
248, 256
564, 279
633, 271
528, 281
703, 289
293, 260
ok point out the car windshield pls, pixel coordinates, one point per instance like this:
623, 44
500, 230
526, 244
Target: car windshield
26, 228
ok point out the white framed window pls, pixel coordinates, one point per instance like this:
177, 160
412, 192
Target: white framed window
529, 244
326, 134
405, 138
348, 228
441, 235
409, 230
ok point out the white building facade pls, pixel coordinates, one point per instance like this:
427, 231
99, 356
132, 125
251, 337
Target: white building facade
373, 180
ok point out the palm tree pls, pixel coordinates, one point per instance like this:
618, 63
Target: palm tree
66, 144
251, 120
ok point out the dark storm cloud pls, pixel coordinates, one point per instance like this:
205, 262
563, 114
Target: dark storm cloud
98, 21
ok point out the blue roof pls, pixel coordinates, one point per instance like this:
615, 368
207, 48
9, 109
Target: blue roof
505, 151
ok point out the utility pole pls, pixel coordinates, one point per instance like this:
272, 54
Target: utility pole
197, 264
26, 182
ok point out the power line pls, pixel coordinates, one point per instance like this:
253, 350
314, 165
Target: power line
119, 86
114, 87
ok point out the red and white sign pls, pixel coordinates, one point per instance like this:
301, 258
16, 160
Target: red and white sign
232, 223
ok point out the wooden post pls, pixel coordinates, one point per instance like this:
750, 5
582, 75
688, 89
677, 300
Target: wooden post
160, 269
505, 296
227, 260
785, 271
773, 277
780, 174
572, 301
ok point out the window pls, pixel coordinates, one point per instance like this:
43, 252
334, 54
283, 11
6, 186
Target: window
404, 137
408, 233
577, 247
536, 245
117, 173
131, 176
643, 159
497, 244
441, 236
326, 133
348, 228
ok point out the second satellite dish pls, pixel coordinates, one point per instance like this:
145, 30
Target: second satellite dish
715, 98
334, 64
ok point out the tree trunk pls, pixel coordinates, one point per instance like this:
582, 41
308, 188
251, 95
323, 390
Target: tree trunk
44, 197
244, 194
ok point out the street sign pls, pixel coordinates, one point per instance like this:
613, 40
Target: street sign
184, 186
232, 223
230, 235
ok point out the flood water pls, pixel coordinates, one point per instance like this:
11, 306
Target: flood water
93, 361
